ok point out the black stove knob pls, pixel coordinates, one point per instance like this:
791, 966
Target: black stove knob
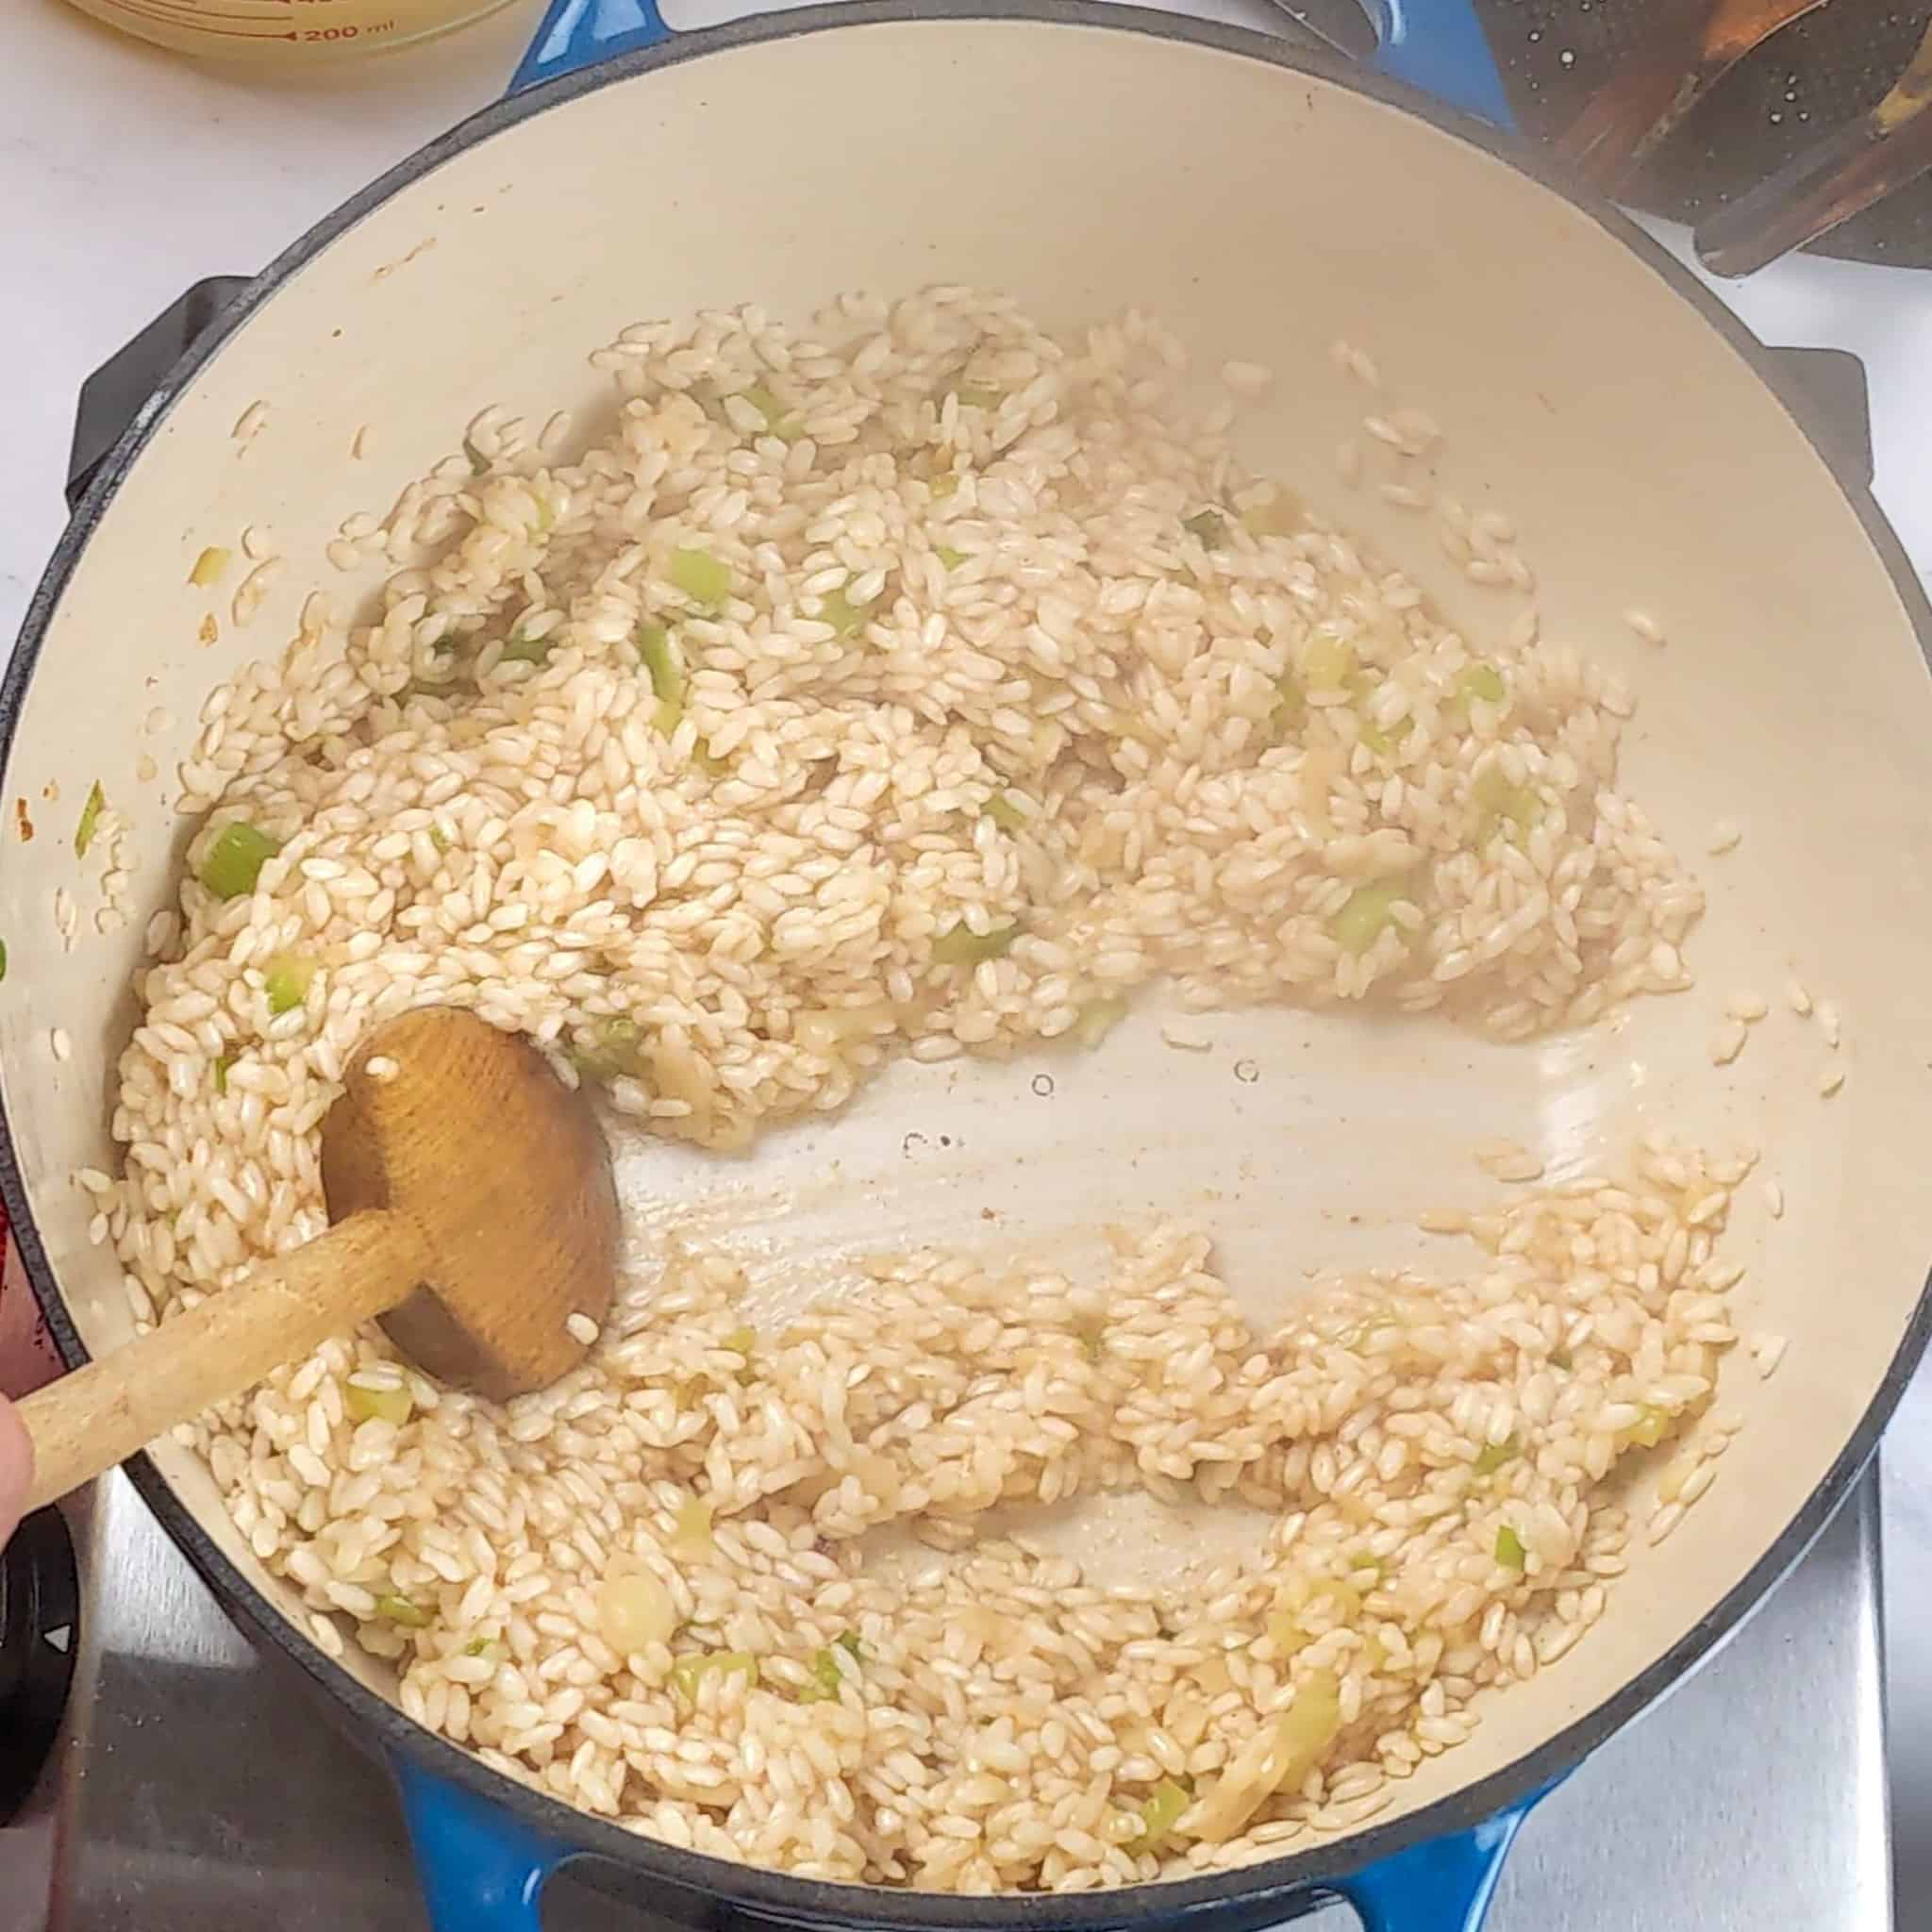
40, 1632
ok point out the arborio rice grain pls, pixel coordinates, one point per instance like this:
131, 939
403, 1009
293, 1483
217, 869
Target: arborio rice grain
929, 684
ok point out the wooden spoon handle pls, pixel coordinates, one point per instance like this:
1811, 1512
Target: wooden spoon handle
101, 1414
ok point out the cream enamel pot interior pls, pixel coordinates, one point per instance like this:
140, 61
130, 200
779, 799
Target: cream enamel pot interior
1264, 200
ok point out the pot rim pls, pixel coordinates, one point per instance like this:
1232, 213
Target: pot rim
1258, 1887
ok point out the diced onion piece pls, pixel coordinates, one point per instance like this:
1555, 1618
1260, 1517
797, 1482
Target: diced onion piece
690, 1536
208, 567
635, 1611
1097, 1018
1328, 664
1277, 1758
687, 1672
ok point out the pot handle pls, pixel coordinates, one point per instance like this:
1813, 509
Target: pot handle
481, 1868
1441, 1885
1437, 45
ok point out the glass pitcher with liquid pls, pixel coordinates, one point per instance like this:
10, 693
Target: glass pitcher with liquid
288, 33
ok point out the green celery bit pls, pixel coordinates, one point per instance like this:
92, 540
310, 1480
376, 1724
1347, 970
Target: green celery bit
287, 979
1007, 816
89, 818
439, 838
3, 958
616, 1048
376, 1405
826, 1677
949, 557
848, 1641
1498, 801
741, 1340
1482, 681
1494, 1455
523, 650
222, 1065
480, 1647
399, 1610
843, 615
663, 660
973, 395
1291, 706
707, 761
1509, 1551
1210, 526
960, 945
233, 864
1096, 1019
943, 485
687, 1672
702, 577
1159, 1815
1366, 914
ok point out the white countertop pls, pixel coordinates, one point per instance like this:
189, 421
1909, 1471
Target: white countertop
127, 173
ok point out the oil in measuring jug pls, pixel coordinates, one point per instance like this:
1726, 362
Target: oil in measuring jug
267, 34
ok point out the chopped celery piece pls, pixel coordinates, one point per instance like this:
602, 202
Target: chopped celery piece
827, 1677
376, 1405
1159, 1816
1007, 816
399, 1610
1499, 801
1362, 687
704, 578
977, 395
521, 650
1482, 681
949, 557
1559, 1358
1291, 706
3, 958
707, 761
765, 403
1509, 1551
1327, 664
439, 838
960, 945
1493, 1456
287, 979
943, 485
1367, 913
480, 1647
844, 616
667, 717
848, 1641
222, 1065
208, 567
1210, 526
90, 819
741, 1340
687, 1672
1096, 1019
1286, 1633
616, 1048
233, 864
662, 659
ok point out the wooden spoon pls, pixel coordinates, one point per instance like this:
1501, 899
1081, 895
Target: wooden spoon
474, 1214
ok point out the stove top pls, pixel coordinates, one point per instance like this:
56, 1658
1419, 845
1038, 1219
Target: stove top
201, 1787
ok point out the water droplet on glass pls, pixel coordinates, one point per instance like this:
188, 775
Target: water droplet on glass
1568, 56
